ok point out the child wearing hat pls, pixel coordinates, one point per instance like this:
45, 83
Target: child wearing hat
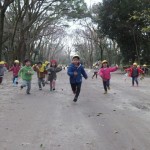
134, 73
2, 71
52, 70
41, 71
26, 73
15, 69
75, 71
104, 73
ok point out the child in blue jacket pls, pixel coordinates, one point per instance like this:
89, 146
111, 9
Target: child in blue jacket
75, 71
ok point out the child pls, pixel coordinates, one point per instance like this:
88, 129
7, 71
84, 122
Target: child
134, 72
104, 73
41, 70
95, 71
26, 73
52, 70
2, 71
46, 74
75, 71
15, 69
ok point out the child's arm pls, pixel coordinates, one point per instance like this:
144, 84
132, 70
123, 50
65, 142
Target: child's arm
70, 72
112, 69
84, 73
58, 69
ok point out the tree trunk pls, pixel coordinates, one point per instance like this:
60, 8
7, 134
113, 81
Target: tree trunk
2, 16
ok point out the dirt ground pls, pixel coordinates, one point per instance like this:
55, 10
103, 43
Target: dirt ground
48, 120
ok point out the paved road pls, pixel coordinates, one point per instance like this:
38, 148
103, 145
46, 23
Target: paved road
48, 120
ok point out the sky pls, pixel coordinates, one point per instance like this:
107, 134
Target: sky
91, 2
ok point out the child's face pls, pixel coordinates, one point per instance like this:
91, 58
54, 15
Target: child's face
53, 64
75, 61
39, 65
104, 65
28, 63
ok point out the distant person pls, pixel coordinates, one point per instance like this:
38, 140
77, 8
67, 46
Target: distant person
76, 71
41, 71
95, 68
2, 71
134, 73
46, 74
15, 69
52, 70
104, 73
26, 73
145, 69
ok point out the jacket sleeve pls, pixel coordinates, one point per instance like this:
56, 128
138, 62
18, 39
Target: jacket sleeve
20, 71
84, 73
128, 69
11, 69
141, 71
58, 69
112, 69
70, 72
100, 72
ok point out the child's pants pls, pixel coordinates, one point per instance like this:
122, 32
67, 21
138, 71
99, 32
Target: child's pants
1, 79
106, 84
15, 80
76, 88
135, 79
41, 81
28, 84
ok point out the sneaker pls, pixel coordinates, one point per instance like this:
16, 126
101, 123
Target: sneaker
28, 93
53, 89
40, 88
75, 99
105, 92
21, 87
43, 84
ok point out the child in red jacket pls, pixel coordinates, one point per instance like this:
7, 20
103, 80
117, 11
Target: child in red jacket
15, 69
104, 73
134, 72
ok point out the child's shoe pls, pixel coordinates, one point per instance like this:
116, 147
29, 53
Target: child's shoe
40, 88
21, 87
105, 92
75, 99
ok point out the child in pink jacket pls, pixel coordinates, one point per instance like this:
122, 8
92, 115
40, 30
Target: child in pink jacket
104, 73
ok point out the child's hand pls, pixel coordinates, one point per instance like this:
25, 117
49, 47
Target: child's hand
75, 73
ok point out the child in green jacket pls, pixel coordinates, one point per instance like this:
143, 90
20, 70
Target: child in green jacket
26, 73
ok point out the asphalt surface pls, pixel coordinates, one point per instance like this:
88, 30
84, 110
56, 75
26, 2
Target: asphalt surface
48, 120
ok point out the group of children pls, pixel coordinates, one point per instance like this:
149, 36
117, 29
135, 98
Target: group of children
75, 72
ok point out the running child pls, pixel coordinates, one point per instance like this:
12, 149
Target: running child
15, 69
2, 71
26, 73
41, 70
75, 71
104, 73
134, 73
96, 68
52, 70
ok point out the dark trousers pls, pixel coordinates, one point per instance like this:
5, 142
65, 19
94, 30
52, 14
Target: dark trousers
135, 79
41, 82
1, 79
106, 84
95, 74
15, 79
76, 88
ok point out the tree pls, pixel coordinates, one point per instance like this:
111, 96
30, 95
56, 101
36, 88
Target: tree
4, 4
115, 23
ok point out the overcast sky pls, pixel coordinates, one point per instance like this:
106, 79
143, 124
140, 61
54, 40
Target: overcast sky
91, 2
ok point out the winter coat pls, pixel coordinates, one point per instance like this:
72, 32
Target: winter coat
105, 72
15, 70
26, 73
40, 71
80, 70
2, 70
130, 70
52, 73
